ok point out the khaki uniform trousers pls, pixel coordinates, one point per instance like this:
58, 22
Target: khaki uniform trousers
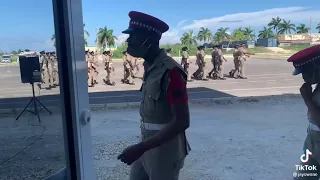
90, 76
242, 63
236, 62
221, 69
48, 76
185, 64
108, 69
128, 75
312, 143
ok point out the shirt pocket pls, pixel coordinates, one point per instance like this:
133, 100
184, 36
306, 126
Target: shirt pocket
151, 96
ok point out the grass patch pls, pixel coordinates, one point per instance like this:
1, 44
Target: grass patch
296, 48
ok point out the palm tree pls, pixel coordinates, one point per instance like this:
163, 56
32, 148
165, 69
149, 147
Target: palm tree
266, 33
188, 39
285, 27
221, 35
318, 27
105, 38
86, 35
301, 29
274, 23
248, 32
204, 34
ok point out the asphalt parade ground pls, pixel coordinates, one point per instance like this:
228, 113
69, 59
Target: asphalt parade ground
265, 77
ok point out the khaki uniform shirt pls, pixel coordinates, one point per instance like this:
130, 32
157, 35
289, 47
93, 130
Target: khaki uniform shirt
235, 54
155, 109
242, 53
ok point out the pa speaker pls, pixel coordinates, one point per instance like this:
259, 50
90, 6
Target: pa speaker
29, 69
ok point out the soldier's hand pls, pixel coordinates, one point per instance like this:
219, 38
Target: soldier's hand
132, 153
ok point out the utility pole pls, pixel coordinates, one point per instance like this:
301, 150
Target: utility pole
96, 30
310, 25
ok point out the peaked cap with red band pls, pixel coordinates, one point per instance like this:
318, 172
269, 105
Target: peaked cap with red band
304, 57
142, 21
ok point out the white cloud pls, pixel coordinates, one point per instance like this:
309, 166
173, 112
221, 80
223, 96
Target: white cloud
256, 20
121, 38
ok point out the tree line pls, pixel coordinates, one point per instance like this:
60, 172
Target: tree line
274, 28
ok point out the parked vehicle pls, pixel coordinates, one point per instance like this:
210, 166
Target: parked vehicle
6, 59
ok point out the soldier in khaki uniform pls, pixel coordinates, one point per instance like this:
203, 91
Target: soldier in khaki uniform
127, 69
307, 63
215, 63
201, 71
243, 56
185, 62
236, 71
196, 74
54, 64
89, 61
164, 107
42, 70
106, 56
48, 71
221, 59
94, 62
136, 68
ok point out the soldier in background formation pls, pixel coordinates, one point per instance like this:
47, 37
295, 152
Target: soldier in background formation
218, 64
89, 61
94, 64
185, 62
128, 67
243, 55
136, 68
107, 60
49, 70
200, 73
50, 75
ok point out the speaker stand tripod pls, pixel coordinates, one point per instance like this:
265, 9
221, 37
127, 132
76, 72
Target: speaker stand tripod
36, 111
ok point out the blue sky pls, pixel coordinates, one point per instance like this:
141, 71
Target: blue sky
29, 23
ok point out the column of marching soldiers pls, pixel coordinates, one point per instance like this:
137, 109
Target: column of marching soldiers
49, 68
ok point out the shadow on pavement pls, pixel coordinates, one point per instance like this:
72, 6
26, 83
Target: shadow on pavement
107, 97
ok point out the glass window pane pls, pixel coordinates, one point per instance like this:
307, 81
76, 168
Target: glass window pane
31, 145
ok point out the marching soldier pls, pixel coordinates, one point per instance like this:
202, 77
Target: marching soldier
235, 72
42, 62
136, 68
108, 67
221, 60
94, 61
127, 69
89, 61
201, 72
185, 61
243, 56
48, 71
196, 74
54, 64
307, 63
215, 63
164, 111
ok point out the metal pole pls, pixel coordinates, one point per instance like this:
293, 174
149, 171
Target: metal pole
96, 29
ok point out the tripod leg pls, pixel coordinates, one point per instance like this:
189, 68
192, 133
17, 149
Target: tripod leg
36, 111
24, 109
43, 106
